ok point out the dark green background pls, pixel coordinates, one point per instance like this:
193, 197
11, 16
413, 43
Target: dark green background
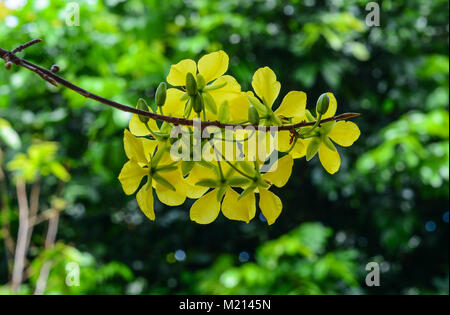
388, 203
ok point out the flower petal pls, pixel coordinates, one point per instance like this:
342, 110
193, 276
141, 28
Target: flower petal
138, 128
239, 108
198, 173
206, 209
330, 160
345, 133
332, 107
299, 150
174, 105
293, 105
133, 147
131, 176
213, 65
270, 205
266, 85
231, 90
178, 72
145, 201
168, 196
240, 210
280, 172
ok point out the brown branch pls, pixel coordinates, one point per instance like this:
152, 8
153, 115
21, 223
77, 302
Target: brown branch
53, 79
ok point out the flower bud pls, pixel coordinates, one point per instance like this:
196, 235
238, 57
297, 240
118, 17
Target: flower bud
160, 95
323, 102
191, 84
253, 116
197, 103
142, 105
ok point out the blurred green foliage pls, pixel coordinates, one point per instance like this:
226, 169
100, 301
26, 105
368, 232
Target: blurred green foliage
295, 263
388, 203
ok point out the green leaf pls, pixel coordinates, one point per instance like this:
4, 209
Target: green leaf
9, 135
313, 147
220, 192
247, 191
211, 183
328, 143
210, 103
186, 167
238, 181
224, 112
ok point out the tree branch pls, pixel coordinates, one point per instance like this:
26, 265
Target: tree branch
52, 78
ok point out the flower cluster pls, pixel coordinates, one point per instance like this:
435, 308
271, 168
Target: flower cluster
229, 175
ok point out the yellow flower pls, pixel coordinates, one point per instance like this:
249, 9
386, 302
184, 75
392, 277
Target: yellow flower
291, 110
213, 85
162, 174
206, 209
344, 133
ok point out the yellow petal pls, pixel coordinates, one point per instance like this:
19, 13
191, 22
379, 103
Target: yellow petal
280, 172
133, 147
239, 108
174, 106
270, 205
284, 139
130, 176
330, 160
240, 210
231, 90
345, 133
145, 201
293, 105
168, 196
299, 150
332, 107
198, 173
138, 128
178, 72
213, 65
266, 85
149, 147
206, 209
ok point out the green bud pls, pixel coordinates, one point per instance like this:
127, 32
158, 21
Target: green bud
200, 82
161, 92
253, 116
142, 105
191, 84
323, 102
197, 103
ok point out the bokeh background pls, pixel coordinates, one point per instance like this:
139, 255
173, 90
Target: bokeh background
387, 204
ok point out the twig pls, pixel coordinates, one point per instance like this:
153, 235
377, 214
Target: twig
53, 79
34, 207
21, 251
50, 239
